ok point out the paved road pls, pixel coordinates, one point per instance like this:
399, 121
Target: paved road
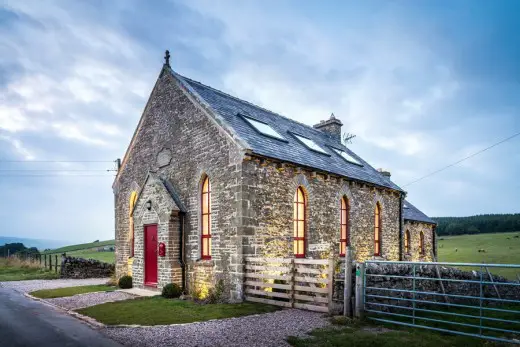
26, 323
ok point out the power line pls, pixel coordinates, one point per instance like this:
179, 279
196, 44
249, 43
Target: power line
463, 159
55, 175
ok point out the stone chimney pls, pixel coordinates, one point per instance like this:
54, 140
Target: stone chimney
384, 172
332, 127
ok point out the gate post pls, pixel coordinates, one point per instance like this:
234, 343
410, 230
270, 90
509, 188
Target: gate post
293, 272
360, 274
347, 289
331, 283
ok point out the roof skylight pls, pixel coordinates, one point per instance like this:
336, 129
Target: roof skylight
347, 156
263, 128
310, 144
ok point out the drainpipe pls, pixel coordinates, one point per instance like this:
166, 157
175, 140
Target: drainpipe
401, 199
182, 250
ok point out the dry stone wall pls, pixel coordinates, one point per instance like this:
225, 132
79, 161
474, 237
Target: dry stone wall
72, 267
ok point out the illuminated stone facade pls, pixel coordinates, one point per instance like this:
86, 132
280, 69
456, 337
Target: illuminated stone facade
180, 141
415, 228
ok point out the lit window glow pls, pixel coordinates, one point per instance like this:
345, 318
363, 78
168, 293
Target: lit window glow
310, 144
263, 128
347, 156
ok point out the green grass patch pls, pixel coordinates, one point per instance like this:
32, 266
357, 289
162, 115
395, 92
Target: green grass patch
70, 291
106, 257
86, 251
500, 248
13, 269
158, 311
81, 246
357, 334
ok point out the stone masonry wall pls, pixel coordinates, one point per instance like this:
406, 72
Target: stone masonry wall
72, 267
415, 229
268, 213
180, 142
165, 214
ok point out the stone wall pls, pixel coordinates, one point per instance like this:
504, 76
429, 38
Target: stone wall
171, 125
415, 229
268, 217
72, 267
165, 214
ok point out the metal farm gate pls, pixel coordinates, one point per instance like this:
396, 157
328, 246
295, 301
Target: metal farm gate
441, 297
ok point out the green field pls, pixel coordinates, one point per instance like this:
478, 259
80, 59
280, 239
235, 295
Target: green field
87, 251
14, 269
500, 248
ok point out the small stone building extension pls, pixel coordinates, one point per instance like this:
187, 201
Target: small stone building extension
209, 179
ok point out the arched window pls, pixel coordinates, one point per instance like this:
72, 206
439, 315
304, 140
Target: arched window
299, 223
421, 243
133, 200
407, 242
344, 237
206, 219
377, 230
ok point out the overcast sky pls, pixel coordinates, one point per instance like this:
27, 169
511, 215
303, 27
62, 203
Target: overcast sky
421, 83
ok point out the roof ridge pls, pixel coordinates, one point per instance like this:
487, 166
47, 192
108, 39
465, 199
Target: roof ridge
250, 103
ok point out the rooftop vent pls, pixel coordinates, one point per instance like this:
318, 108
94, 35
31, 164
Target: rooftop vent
332, 127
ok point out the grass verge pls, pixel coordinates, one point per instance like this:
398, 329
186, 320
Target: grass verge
70, 291
356, 334
159, 311
13, 269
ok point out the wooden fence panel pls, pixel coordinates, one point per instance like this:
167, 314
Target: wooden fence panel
299, 283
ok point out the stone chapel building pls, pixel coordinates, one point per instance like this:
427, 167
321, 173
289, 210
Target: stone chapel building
209, 179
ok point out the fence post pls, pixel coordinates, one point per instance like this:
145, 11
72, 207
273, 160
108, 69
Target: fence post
347, 290
492, 281
50, 262
330, 275
293, 272
56, 263
360, 274
45, 261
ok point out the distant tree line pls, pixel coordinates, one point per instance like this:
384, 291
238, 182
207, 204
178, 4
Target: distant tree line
480, 224
16, 248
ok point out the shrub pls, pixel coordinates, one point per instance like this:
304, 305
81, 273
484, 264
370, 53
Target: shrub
215, 293
125, 282
171, 290
112, 281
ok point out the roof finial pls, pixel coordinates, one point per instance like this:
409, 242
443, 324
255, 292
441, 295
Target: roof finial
332, 116
167, 58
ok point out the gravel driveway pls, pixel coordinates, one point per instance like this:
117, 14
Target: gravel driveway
89, 299
265, 330
32, 285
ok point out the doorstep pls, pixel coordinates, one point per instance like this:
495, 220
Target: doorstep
141, 292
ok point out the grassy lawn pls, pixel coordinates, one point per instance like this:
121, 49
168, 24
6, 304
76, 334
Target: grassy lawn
157, 311
367, 334
107, 257
501, 248
70, 291
87, 251
15, 270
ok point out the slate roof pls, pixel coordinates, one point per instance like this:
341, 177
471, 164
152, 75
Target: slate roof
410, 212
291, 150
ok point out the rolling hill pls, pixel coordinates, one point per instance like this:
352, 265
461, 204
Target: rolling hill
88, 251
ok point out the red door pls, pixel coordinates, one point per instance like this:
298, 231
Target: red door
150, 255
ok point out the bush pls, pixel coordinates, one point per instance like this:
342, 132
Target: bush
171, 290
215, 294
112, 281
125, 282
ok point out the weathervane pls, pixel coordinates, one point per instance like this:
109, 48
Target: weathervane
167, 58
